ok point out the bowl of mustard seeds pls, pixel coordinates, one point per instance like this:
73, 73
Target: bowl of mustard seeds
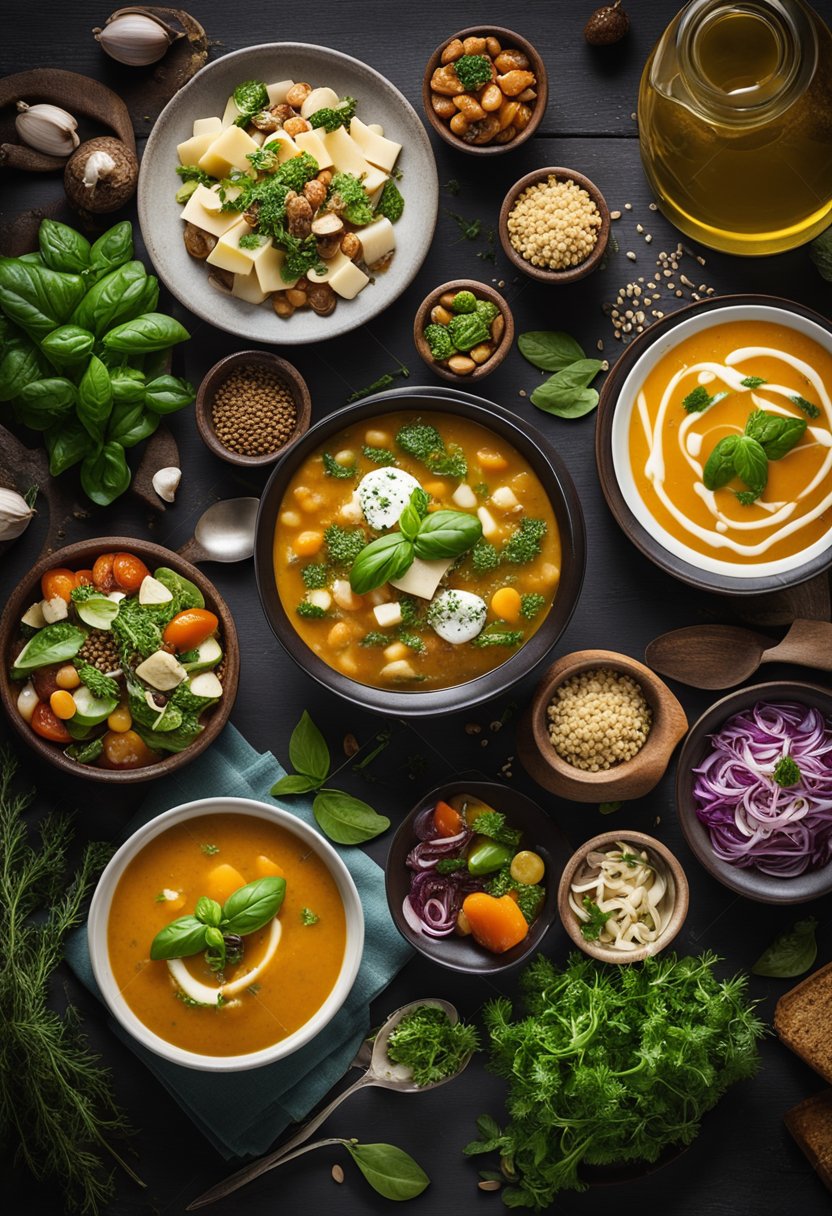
251, 407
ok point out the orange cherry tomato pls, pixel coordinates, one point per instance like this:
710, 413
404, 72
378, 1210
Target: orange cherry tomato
83, 578
447, 821
58, 581
129, 571
125, 749
48, 726
497, 924
102, 573
190, 628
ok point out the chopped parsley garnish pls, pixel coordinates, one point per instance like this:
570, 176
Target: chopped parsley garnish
308, 917
746, 497
530, 896
753, 381
381, 456
210, 850
470, 229
315, 576
251, 240
333, 469
412, 640
808, 407
524, 544
101, 686
531, 604
698, 399
344, 544
348, 197
498, 637
473, 71
493, 825
391, 203
591, 929
411, 613
786, 772
450, 865
430, 1045
313, 612
374, 638
192, 173
333, 117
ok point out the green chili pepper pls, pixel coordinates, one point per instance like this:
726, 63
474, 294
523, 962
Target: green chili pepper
486, 856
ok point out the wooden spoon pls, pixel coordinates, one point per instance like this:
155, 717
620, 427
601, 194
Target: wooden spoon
720, 656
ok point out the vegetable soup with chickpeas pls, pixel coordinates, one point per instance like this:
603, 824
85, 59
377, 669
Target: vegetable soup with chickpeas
414, 553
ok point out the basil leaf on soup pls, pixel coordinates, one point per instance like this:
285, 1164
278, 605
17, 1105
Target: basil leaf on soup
775, 433
719, 467
447, 534
208, 911
385, 558
550, 350
791, 953
751, 463
411, 517
389, 1170
345, 819
182, 938
308, 753
251, 907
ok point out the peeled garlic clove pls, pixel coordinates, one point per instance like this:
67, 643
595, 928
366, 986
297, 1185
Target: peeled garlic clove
15, 514
166, 482
134, 39
99, 164
27, 699
47, 128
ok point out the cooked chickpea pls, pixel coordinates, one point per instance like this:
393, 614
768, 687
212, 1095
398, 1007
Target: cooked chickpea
395, 651
315, 193
483, 132
461, 365
472, 45
440, 315
351, 246
377, 439
347, 664
482, 352
527, 95
554, 224
470, 107
527, 867
491, 97
67, 677
522, 117
495, 462
498, 328
459, 124
598, 718
453, 51
297, 298
506, 113
492, 46
445, 81
515, 82
507, 61
298, 94
506, 135
443, 106
339, 636
294, 126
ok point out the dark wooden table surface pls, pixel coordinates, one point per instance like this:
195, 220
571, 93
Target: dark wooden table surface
743, 1163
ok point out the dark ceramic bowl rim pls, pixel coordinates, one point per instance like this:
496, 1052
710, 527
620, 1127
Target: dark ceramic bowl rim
751, 883
491, 792
634, 531
565, 503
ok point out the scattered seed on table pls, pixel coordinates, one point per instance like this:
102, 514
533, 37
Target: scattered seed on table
489, 1184
615, 215
653, 206
639, 228
648, 238
337, 1173
631, 255
473, 728
628, 206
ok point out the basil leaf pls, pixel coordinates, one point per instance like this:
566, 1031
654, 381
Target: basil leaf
751, 463
36, 298
384, 558
62, 248
128, 385
105, 474
112, 249
95, 399
186, 592
776, 434
130, 423
295, 783
208, 911
719, 467
447, 534
182, 938
68, 344
57, 643
308, 751
251, 907
20, 361
43, 403
345, 819
110, 298
550, 350
153, 331
389, 1170
411, 517
66, 443
567, 394
790, 953
166, 394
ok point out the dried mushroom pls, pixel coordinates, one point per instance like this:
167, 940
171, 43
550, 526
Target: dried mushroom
101, 175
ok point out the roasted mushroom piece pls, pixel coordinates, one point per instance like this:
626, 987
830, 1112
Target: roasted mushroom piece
298, 215
322, 298
198, 242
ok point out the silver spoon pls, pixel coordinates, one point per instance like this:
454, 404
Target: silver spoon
223, 533
381, 1072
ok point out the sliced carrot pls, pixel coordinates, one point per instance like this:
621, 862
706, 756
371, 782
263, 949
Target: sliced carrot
506, 604
223, 881
497, 924
266, 868
446, 820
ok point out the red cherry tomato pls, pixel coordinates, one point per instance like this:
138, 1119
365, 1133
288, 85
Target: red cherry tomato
189, 628
48, 726
102, 573
83, 578
58, 581
129, 571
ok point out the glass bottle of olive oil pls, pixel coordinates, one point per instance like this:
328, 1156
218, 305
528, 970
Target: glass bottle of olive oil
735, 123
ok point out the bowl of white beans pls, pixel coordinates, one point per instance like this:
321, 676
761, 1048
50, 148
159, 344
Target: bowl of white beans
623, 897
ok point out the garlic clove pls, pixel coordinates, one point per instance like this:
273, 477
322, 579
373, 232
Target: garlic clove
166, 482
99, 164
135, 39
47, 128
15, 514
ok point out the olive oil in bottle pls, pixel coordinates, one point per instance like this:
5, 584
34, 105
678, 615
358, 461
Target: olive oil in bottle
735, 123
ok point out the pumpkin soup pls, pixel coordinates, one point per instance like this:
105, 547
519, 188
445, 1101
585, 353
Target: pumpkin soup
730, 444
416, 553
267, 934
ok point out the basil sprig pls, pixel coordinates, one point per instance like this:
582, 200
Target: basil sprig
442, 534
567, 393
245, 911
766, 437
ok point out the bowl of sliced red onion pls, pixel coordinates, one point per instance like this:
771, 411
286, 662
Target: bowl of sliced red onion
435, 864
754, 791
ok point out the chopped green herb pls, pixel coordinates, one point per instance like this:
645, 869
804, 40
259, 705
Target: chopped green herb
439, 341
160, 898
381, 456
332, 117
493, 825
697, 400
380, 384
473, 71
391, 203
746, 497
608, 808
308, 917
430, 1045
312, 612
452, 186
333, 469
591, 929
100, 685
531, 605
470, 229
315, 576
344, 544
412, 640
192, 173
524, 544
210, 850
375, 638
786, 772
808, 407
494, 636
489, 254
450, 865
410, 610
348, 197
753, 381
530, 896
251, 240
254, 989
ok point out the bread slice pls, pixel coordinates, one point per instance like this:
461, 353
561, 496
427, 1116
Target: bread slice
802, 1019
810, 1122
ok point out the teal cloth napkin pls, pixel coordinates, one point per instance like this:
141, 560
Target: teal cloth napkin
243, 1113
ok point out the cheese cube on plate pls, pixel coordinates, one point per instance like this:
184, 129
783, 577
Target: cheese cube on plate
191, 150
202, 209
277, 91
227, 253
228, 151
374, 147
311, 142
377, 240
348, 280
207, 126
345, 152
231, 113
268, 270
247, 287
284, 145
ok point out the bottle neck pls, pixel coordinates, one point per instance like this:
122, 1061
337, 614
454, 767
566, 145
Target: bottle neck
745, 63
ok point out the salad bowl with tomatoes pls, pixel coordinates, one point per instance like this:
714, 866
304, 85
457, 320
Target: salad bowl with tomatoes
120, 660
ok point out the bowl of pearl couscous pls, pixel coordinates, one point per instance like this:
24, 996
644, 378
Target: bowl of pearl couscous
554, 225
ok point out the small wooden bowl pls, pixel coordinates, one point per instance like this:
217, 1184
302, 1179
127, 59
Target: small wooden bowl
212, 380
676, 881
626, 781
510, 41
573, 273
81, 556
483, 291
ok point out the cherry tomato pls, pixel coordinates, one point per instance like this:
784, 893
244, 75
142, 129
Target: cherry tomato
190, 628
58, 581
446, 820
83, 578
45, 680
48, 726
125, 749
102, 573
129, 571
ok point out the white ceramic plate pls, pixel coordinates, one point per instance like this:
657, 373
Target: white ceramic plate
626, 403
206, 95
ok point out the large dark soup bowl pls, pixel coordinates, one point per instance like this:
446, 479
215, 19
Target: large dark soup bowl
555, 479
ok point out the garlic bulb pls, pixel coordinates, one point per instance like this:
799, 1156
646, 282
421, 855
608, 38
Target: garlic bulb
134, 39
15, 514
166, 482
99, 164
47, 128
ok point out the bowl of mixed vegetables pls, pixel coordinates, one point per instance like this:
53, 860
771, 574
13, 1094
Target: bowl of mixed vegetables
472, 875
120, 660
